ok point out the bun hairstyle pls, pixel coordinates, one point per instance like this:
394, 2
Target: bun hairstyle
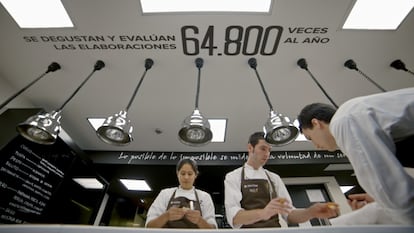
191, 162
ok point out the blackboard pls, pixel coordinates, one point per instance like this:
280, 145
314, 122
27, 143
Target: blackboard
30, 175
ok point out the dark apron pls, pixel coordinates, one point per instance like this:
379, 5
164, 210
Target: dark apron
256, 195
181, 202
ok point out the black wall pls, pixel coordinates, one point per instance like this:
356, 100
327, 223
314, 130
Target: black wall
36, 180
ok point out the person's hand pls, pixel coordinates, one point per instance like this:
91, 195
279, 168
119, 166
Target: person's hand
193, 216
175, 213
278, 205
324, 210
357, 201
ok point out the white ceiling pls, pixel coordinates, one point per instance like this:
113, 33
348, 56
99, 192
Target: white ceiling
229, 87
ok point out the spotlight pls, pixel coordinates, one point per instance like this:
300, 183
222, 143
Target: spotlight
279, 131
195, 129
117, 129
43, 128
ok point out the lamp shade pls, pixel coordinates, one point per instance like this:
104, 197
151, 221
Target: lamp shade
116, 129
279, 131
195, 130
42, 128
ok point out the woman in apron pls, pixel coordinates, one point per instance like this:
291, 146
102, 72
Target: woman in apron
183, 206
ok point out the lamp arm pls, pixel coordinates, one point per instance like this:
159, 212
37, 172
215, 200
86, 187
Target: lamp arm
76, 91
323, 90
148, 65
263, 89
199, 62
372, 81
98, 66
51, 68
23, 89
136, 90
198, 88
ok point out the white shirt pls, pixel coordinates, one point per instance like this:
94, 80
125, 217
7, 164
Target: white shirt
365, 129
370, 214
232, 189
159, 206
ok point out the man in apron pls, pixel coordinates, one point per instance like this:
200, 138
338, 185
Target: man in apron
254, 196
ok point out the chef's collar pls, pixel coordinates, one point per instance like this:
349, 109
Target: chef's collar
185, 190
252, 168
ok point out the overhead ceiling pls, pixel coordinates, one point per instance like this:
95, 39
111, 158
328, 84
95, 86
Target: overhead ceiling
229, 88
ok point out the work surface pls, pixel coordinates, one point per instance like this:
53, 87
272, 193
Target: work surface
24, 228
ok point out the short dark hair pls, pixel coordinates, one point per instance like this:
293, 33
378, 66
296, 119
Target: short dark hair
189, 161
255, 137
320, 111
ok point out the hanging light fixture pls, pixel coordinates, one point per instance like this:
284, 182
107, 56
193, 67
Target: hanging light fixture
279, 131
117, 129
51, 68
195, 130
350, 64
43, 128
304, 65
399, 65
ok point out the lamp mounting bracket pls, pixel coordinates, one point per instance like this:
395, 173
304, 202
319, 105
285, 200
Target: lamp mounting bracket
252, 63
302, 64
148, 63
199, 62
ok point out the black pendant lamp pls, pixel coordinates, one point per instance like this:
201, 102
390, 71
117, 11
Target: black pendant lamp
278, 129
350, 64
195, 129
51, 68
117, 129
304, 65
43, 128
399, 65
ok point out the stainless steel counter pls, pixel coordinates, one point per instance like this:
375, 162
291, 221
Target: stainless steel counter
38, 228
